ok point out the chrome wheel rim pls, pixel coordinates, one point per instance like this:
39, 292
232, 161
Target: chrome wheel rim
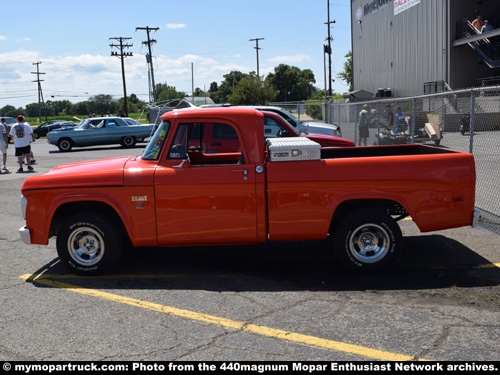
86, 246
369, 243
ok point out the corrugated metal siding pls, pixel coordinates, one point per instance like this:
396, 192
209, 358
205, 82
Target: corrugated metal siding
419, 44
401, 51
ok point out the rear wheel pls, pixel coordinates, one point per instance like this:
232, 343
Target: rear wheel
367, 241
36, 135
65, 145
89, 244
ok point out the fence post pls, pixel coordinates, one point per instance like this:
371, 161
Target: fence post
472, 119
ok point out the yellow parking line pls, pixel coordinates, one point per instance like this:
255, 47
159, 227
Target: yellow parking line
227, 323
488, 265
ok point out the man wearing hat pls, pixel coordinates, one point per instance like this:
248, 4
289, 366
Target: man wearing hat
22, 134
486, 27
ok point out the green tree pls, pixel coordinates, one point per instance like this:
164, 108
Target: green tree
81, 108
165, 92
213, 92
134, 104
292, 83
59, 107
346, 74
9, 111
33, 110
102, 104
252, 90
228, 86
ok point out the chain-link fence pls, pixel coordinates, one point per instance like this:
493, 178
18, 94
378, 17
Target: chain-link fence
465, 120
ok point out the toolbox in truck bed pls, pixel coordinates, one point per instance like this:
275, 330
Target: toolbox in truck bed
293, 148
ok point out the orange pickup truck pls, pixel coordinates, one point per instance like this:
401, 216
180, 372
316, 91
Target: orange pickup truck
181, 193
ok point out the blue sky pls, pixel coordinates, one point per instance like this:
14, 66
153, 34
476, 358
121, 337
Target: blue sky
197, 42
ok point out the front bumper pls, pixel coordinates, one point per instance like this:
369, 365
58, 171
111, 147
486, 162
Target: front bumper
25, 235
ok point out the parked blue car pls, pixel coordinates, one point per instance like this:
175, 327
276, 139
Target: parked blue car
97, 131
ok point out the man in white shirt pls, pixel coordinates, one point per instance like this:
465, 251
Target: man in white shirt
486, 27
4, 144
22, 134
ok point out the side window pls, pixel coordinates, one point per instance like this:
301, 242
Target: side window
223, 131
220, 138
178, 149
272, 128
214, 143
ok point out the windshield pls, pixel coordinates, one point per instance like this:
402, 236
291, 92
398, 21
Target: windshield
155, 145
292, 120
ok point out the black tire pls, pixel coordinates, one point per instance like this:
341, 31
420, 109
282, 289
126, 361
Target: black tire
367, 241
36, 135
89, 244
128, 141
65, 145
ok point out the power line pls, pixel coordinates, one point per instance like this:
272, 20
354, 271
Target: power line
149, 60
122, 55
257, 49
328, 50
40, 95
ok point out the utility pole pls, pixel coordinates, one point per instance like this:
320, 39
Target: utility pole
40, 95
257, 48
149, 60
122, 56
328, 50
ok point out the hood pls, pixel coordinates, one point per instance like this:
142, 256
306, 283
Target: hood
101, 172
321, 124
63, 128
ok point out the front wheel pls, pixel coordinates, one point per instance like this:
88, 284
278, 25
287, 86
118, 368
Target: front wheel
367, 241
89, 244
36, 135
65, 145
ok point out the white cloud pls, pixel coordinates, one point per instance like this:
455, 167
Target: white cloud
290, 59
175, 25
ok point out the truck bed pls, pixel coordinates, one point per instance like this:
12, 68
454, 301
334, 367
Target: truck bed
391, 150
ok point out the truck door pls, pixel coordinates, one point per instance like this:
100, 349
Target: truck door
202, 196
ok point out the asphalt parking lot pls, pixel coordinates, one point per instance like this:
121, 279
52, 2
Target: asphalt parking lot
272, 302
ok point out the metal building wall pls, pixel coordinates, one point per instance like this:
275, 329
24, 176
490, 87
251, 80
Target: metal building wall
400, 51
466, 67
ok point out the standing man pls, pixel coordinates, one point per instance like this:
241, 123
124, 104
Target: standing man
23, 136
363, 125
478, 23
390, 116
4, 144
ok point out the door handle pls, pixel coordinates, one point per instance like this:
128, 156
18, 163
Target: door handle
244, 171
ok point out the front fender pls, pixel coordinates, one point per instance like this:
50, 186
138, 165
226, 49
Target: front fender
45, 211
